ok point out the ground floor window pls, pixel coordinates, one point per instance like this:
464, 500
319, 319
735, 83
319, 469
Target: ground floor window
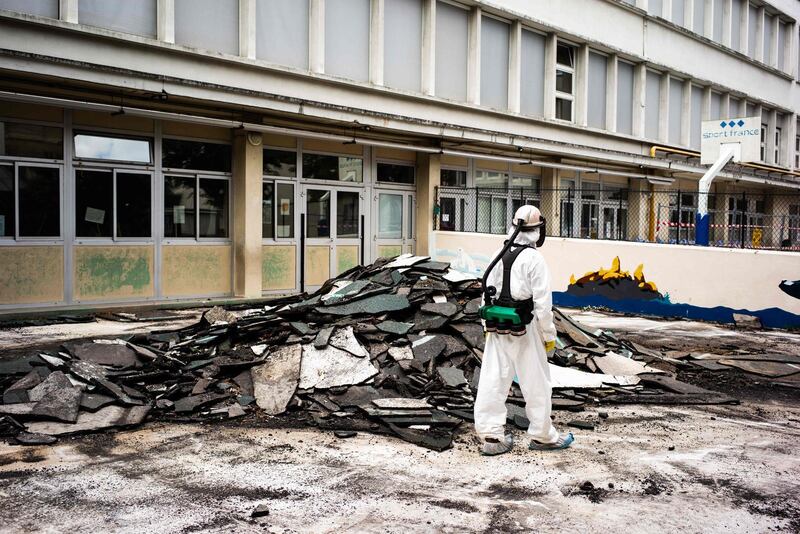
112, 203
30, 200
453, 177
196, 207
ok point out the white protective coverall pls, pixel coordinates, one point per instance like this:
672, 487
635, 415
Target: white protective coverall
524, 356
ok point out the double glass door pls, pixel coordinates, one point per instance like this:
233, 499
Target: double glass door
333, 232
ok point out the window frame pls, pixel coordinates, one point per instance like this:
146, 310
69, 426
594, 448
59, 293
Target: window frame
776, 148
115, 134
398, 162
301, 168
568, 70
113, 170
197, 175
275, 179
16, 239
465, 170
174, 170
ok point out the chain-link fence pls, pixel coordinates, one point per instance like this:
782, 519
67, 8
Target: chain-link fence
736, 219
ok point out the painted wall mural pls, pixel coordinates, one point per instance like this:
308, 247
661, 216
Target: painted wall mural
791, 287
615, 284
689, 282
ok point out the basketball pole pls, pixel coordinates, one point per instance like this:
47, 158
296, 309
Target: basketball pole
727, 152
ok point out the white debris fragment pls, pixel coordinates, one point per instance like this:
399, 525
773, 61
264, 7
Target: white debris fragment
565, 377
345, 339
401, 353
258, 350
405, 260
275, 381
457, 276
333, 367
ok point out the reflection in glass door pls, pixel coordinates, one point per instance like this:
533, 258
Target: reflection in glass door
332, 233
395, 222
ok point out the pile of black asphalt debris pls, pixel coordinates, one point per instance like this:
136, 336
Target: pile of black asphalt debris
392, 348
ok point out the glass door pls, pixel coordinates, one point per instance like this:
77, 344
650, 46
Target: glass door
332, 233
395, 222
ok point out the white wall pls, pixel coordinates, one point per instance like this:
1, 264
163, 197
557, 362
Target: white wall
705, 277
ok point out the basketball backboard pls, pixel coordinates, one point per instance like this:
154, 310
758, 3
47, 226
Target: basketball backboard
742, 135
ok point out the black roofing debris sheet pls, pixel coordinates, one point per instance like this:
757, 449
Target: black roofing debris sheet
391, 348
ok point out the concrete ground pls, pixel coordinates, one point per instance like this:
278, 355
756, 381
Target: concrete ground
651, 469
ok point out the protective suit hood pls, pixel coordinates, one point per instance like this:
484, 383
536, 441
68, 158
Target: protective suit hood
532, 218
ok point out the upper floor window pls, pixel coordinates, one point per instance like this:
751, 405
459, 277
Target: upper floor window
282, 32
43, 8
137, 17
565, 81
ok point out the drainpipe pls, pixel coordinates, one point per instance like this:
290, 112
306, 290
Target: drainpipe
727, 152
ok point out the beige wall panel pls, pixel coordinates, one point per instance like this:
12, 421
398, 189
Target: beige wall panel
487, 165
200, 131
31, 112
106, 120
280, 140
318, 264
396, 153
31, 274
279, 265
335, 147
196, 270
617, 181
346, 258
519, 168
107, 273
389, 251
453, 161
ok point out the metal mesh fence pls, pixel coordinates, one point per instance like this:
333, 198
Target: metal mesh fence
740, 220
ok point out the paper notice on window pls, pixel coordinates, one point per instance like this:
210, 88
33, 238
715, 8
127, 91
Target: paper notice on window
94, 215
2, 225
445, 217
179, 214
286, 206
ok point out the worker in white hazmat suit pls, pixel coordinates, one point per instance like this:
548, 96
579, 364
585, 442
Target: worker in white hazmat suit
524, 354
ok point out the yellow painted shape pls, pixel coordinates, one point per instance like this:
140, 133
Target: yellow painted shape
31, 274
109, 272
346, 257
615, 265
201, 131
196, 270
36, 112
318, 264
278, 267
571, 279
389, 251
106, 120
